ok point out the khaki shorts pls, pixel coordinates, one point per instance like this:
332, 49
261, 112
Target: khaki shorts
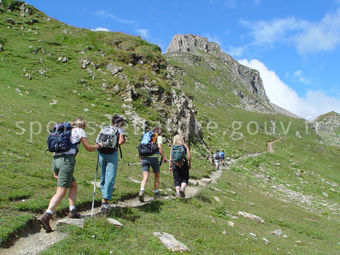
63, 166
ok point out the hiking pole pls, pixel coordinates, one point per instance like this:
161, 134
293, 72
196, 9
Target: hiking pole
94, 186
133, 164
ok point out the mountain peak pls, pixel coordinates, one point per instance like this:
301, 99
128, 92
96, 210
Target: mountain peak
191, 43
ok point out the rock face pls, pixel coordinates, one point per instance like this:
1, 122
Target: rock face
327, 126
225, 73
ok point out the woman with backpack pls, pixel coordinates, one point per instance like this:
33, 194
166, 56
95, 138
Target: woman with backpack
108, 158
63, 164
180, 163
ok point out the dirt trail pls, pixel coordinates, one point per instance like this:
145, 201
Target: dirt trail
36, 239
270, 145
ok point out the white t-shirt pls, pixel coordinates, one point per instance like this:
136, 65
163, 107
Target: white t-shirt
76, 135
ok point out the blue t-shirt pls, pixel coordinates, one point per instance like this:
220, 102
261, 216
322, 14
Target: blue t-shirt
222, 154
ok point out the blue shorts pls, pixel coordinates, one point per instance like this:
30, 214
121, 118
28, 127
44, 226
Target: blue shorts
148, 162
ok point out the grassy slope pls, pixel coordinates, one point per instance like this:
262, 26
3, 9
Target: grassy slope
26, 180
27, 175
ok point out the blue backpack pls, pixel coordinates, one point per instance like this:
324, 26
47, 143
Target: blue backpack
59, 139
148, 144
178, 154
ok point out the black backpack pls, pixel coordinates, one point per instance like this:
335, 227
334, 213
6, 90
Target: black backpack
148, 144
59, 139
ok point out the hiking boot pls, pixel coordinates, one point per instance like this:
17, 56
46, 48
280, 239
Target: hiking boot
182, 193
178, 195
156, 195
141, 196
105, 208
74, 215
45, 221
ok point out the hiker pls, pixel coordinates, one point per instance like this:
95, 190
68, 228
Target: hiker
63, 167
149, 149
217, 159
180, 164
222, 155
108, 157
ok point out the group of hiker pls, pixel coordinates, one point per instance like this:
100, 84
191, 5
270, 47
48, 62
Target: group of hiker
219, 158
65, 139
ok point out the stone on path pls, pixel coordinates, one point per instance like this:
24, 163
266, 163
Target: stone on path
170, 242
115, 222
250, 216
68, 221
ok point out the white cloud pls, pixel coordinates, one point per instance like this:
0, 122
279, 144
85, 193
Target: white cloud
306, 36
101, 29
143, 32
105, 14
309, 107
301, 78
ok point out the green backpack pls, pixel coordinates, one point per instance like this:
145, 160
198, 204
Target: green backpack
178, 154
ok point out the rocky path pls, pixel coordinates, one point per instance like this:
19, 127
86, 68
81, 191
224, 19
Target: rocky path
270, 145
36, 239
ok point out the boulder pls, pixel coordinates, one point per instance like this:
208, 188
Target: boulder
250, 216
115, 222
170, 242
67, 221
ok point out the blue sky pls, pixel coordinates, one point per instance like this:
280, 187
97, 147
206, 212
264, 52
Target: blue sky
294, 44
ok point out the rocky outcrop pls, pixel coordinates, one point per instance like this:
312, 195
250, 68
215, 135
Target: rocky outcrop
327, 126
224, 72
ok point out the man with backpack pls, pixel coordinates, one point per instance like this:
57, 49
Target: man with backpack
64, 141
180, 164
112, 137
149, 149
217, 159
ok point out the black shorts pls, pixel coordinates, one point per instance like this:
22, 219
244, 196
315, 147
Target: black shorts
181, 174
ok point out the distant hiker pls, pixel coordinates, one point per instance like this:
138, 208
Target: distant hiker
222, 155
149, 149
217, 159
111, 137
180, 163
64, 141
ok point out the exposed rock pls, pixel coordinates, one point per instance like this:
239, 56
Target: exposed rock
170, 242
62, 59
265, 240
114, 69
250, 216
67, 221
11, 21
28, 76
85, 63
1, 48
326, 127
217, 199
115, 222
277, 232
248, 85
231, 224
325, 194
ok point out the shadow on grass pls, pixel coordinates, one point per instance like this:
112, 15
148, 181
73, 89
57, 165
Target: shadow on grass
125, 213
152, 207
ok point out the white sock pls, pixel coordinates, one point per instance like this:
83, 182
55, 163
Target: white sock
72, 208
141, 189
156, 191
49, 211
